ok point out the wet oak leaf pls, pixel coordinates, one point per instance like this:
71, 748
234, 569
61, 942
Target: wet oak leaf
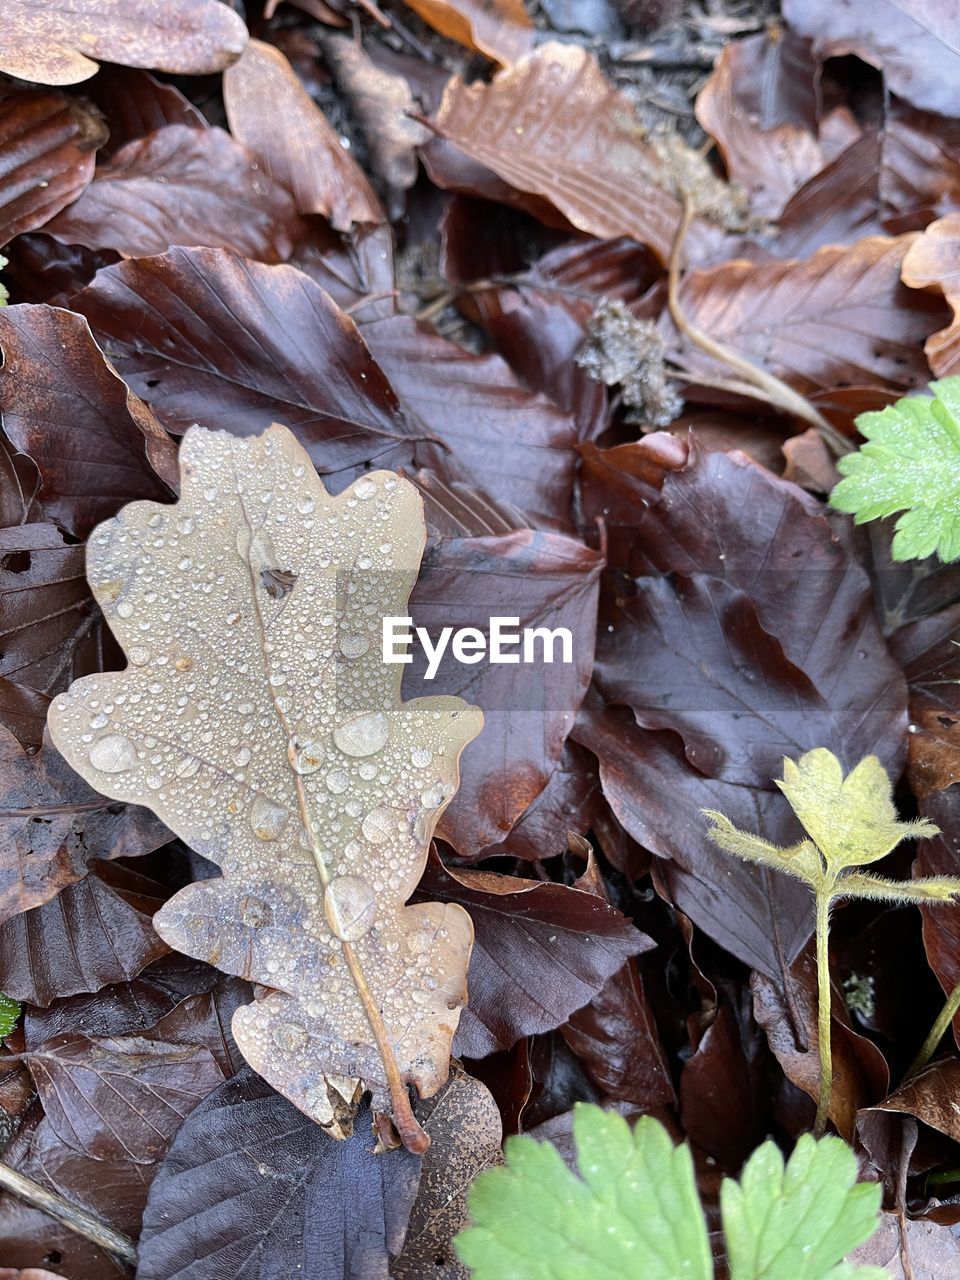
272, 114
271, 736
182, 185
552, 127
97, 445
56, 43
54, 825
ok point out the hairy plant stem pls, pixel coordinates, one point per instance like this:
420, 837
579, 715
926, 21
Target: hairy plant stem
756, 381
824, 894
937, 1032
78, 1220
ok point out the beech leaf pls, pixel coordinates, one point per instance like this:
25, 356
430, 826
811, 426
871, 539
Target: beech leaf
257, 718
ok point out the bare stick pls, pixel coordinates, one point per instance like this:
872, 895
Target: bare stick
78, 1220
757, 381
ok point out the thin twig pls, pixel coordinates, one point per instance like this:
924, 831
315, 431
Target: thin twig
937, 1032
78, 1220
757, 382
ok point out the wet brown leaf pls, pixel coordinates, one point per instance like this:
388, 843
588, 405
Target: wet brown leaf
552, 127
465, 1134
120, 1098
135, 104
182, 185
860, 1073
504, 438
572, 942
96, 443
54, 825
252, 1188
92, 934
839, 317
332, 789
271, 112
56, 43
47, 147
761, 106
929, 652
933, 263
208, 337
930, 1097
545, 580
384, 108
499, 28
941, 856
920, 170
914, 43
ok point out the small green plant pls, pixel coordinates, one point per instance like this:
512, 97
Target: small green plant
910, 463
634, 1213
851, 822
9, 1015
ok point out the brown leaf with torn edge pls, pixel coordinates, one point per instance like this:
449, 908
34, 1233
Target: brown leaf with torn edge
552, 127
258, 719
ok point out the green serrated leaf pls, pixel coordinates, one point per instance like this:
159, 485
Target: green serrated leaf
796, 1222
9, 1015
909, 463
632, 1214
852, 820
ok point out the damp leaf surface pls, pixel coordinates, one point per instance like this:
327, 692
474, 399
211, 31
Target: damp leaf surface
256, 717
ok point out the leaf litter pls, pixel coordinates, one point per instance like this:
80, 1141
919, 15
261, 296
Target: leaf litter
607, 286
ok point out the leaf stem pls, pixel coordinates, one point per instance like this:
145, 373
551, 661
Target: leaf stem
78, 1220
824, 1001
757, 382
937, 1032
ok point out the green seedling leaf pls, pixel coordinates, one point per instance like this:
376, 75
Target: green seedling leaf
910, 463
851, 822
9, 1015
851, 819
797, 1221
632, 1212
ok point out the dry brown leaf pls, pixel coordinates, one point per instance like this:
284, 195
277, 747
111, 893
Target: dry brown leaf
272, 114
933, 262
499, 28
257, 717
552, 126
55, 42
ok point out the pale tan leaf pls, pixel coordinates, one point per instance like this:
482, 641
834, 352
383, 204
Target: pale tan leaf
56, 42
258, 719
933, 263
